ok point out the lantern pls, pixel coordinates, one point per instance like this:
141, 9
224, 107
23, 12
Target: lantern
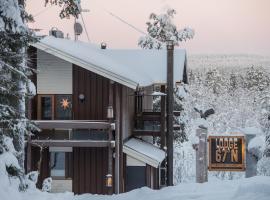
110, 112
109, 180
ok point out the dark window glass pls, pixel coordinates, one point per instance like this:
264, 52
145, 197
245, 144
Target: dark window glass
63, 107
57, 164
46, 108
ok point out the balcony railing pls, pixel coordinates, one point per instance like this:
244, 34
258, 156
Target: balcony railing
68, 133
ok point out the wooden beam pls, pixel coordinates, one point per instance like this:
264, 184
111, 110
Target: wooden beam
110, 151
170, 102
72, 143
163, 118
72, 124
117, 138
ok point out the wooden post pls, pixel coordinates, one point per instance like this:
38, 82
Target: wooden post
201, 156
170, 101
110, 152
251, 160
163, 118
117, 137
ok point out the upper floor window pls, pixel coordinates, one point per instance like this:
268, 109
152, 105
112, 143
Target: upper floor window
51, 107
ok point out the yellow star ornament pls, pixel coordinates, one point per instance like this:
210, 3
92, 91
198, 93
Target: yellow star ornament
65, 103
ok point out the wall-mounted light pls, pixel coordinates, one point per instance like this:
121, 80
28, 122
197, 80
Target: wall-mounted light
110, 112
81, 97
109, 180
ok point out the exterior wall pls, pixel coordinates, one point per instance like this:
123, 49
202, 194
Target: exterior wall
90, 166
54, 74
127, 112
95, 88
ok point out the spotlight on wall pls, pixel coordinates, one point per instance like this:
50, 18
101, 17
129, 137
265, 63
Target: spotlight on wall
81, 97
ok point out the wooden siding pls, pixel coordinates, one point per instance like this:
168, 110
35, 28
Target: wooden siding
96, 91
90, 166
54, 74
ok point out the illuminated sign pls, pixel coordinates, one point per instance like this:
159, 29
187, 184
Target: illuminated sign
226, 153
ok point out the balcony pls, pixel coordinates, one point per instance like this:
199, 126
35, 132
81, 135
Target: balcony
73, 133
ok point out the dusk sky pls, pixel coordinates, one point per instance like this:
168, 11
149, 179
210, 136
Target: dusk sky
221, 26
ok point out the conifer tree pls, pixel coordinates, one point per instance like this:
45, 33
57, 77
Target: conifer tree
15, 85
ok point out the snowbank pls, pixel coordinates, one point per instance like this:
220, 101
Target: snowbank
252, 188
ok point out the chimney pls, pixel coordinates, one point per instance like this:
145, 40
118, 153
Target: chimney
103, 45
170, 102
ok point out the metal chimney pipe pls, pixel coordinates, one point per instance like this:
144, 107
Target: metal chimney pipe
170, 102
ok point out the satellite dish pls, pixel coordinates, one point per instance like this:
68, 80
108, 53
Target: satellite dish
78, 28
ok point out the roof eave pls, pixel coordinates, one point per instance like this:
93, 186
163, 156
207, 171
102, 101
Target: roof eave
86, 65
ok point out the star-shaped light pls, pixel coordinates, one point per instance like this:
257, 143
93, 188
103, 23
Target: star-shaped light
65, 103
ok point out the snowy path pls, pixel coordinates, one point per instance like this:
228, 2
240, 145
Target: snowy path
256, 188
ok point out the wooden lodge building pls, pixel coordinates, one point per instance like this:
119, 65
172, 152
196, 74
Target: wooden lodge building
94, 108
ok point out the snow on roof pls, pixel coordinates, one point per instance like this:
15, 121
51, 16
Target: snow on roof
145, 152
130, 67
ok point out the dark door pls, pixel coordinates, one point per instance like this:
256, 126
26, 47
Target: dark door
135, 177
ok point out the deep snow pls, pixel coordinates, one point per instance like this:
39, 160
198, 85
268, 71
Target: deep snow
255, 188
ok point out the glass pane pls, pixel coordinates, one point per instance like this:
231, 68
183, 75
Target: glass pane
83, 134
63, 107
46, 108
57, 164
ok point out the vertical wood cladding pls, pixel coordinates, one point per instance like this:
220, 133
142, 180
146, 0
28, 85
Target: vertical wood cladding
95, 89
90, 166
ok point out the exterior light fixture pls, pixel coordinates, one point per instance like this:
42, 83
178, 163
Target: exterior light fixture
109, 180
81, 97
110, 112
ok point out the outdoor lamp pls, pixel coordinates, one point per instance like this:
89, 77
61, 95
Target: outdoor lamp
110, 112
109, 180
81, 97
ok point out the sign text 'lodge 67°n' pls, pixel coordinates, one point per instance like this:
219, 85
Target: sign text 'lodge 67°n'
226, 153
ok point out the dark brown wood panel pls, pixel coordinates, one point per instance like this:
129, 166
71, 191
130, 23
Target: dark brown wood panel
90, 167
95, 89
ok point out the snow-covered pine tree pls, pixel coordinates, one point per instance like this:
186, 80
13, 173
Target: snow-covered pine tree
160, 28
15, 85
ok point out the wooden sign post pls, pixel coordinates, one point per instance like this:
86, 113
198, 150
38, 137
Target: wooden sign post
226, 153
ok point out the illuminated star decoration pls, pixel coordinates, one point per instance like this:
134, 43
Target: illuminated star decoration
65, 103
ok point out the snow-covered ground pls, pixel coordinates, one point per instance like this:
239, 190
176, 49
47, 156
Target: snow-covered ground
256, 188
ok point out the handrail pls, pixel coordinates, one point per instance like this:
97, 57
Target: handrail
72, 124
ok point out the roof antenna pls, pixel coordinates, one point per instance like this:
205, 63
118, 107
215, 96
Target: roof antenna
78, 29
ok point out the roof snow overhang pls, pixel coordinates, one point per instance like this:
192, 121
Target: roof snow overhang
144, 152
129, 67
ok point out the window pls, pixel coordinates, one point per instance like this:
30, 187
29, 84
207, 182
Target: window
45, 107
63, 107
52, 107
57, 164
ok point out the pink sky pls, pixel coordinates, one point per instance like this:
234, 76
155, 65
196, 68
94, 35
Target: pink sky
221, 26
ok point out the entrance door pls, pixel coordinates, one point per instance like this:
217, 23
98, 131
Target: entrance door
135, 174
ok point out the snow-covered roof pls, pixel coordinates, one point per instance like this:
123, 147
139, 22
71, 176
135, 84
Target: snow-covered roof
145, 152
130, 67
